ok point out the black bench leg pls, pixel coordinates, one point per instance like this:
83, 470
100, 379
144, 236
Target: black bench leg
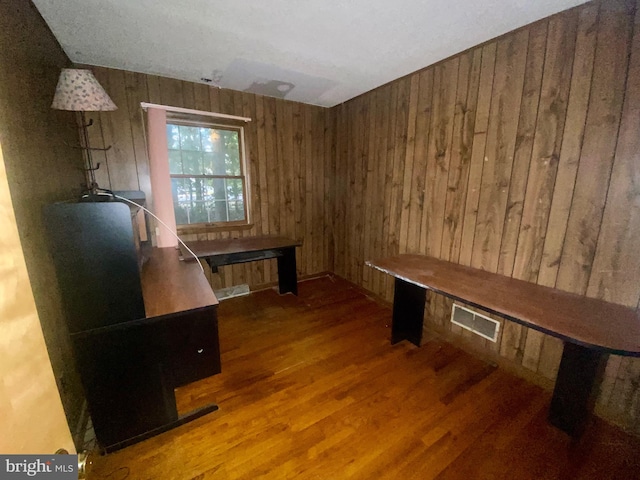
408, 312
287, 276
576, 388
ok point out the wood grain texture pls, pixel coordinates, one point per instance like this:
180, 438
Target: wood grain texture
548, 194
311, 388
170, 285
568, 316
286, 160
226, 246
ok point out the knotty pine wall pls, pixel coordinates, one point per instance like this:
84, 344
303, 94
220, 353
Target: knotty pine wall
290, 158
520, 156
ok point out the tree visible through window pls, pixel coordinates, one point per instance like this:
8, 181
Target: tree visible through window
207, 174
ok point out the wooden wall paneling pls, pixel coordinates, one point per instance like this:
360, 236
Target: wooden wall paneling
371, 173
261, 216
201, 100
603, 118
284, 120
340, 188
352, 130
360, 187
330, 153
513, 335
261, 194
524, 145
409, 156
419, 172
280, 147
340, 198
499, 149
96, 136
116, 129
383, 104
399, 156
485, 92
242, 102
387, 283
309, 245
543, 167
273, 172
549, 98
461, 146
170, 92
298, 177
319, 200
547, 144
254, 194
439, 154
616, 265
188, 95
572, 139
316, 196
458, 179
227, 105
438, 162
214, 99
623, 403
508, 83
137, 91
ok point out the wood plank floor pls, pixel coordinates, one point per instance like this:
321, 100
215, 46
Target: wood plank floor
312, 389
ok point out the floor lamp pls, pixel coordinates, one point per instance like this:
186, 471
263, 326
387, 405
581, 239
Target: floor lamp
79, 91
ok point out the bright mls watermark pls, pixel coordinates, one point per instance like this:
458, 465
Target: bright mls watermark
52, 467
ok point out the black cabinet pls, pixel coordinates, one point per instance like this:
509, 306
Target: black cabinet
193, 348
137, 334
96, 263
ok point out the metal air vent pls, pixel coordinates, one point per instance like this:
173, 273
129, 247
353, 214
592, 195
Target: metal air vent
475, 322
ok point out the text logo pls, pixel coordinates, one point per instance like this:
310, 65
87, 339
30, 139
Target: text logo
52, 467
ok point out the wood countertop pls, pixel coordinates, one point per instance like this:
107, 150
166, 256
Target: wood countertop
170, 285
582, 320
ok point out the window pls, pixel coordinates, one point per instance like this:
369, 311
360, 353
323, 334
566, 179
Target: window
207, 169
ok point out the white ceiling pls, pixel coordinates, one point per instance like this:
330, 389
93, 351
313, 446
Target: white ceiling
313, 51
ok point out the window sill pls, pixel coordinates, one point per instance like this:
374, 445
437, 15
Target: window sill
206, 228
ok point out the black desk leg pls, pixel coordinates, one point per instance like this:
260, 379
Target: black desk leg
579, 377
408, 312
287, 276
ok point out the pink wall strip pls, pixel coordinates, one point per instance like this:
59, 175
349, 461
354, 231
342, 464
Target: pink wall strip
160, 179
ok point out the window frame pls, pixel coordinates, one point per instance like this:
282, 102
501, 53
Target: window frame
244, 176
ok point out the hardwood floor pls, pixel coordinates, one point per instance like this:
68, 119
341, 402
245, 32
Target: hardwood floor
312, 389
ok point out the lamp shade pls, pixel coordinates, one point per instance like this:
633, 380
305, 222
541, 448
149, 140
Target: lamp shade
79, 91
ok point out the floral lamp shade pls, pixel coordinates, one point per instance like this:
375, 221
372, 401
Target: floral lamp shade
79, 91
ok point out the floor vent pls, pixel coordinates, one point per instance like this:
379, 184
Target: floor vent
230, 292
475, 322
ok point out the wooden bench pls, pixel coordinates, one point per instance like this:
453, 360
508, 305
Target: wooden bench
591, 329
228, 251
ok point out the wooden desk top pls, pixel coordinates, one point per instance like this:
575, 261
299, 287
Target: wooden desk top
171, 286
227, 246
574, 318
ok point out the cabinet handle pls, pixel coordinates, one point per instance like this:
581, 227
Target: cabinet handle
200, 350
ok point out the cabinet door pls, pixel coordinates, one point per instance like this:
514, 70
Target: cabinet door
193, 349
